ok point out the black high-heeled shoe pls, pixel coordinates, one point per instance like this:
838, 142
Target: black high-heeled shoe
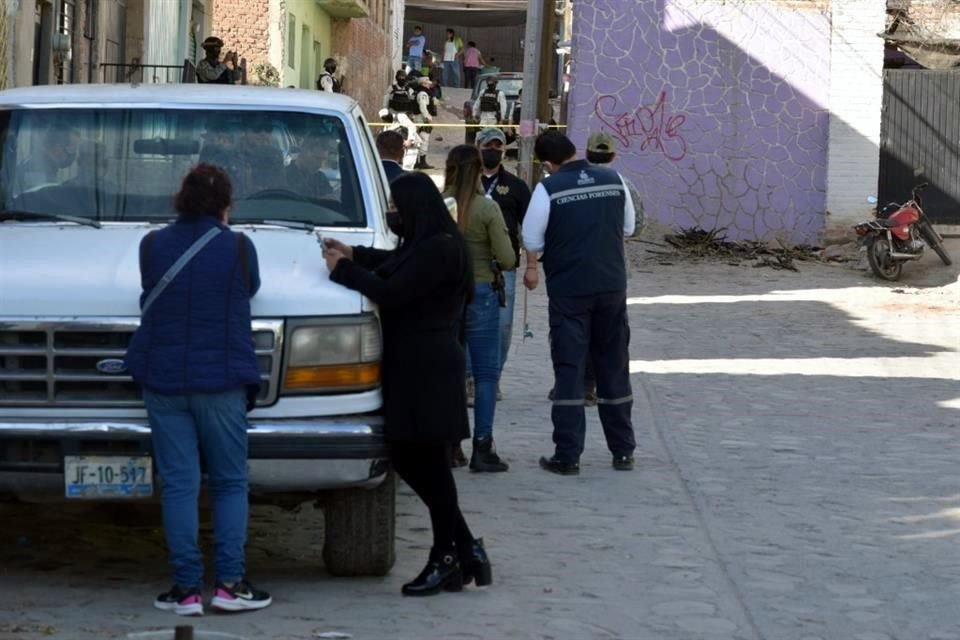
475, 565
442, 573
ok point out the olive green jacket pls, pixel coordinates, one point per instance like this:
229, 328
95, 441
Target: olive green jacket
487, 237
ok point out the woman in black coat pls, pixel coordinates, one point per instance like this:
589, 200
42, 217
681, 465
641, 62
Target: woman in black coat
422, 289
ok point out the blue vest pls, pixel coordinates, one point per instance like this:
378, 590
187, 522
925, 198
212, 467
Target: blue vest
583, 251
197, 336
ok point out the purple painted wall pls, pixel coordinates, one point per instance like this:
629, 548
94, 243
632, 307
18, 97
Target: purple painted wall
719, 108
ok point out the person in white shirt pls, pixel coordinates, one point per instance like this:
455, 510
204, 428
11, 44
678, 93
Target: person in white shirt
577, 219
451, 60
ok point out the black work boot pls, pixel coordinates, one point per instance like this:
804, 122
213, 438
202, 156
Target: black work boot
484, 457
441, 573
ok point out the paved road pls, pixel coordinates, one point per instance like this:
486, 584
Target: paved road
797, 480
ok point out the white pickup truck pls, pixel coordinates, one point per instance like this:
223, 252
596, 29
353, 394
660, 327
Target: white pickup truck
85, 172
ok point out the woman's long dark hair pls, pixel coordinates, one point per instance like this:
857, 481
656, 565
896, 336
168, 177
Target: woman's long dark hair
423, 214
462, 177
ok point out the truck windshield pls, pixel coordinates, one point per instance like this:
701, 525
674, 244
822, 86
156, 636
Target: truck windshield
126, 164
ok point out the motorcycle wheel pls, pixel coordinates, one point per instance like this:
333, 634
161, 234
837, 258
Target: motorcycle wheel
933, 239
878, 255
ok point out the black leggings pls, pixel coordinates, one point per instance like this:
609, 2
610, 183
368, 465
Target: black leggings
426, 468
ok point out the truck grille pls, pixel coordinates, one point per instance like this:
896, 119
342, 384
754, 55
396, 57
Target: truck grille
68, 364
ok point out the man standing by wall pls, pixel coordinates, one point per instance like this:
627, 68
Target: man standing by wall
417, 44
328, 80
472, 61
578, 218
451, 60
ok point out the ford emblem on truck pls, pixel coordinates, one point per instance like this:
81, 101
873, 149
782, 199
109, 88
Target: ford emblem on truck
111, 366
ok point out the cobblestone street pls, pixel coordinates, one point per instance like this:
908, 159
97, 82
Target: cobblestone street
796, 480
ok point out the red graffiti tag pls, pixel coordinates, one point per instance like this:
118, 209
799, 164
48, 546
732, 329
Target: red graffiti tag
651, 124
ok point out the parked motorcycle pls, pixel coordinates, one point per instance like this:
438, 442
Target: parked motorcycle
899, 234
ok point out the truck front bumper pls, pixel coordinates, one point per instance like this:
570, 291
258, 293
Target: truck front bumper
285, 455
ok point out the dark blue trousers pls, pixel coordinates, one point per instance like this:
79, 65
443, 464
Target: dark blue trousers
591, 329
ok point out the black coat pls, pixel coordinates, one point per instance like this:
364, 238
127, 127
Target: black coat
421, 305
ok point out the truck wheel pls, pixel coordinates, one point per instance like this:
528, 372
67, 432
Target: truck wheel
359, 527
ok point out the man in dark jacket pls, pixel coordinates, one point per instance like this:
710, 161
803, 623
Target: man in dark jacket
390, 148
577, 219
513, 196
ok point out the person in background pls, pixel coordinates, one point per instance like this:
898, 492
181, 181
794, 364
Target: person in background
513, 196
211, 70
420, 289
578, 218
490, 106
481, 222
602, 151
328, 81
57, 151
306, 174
426, 110
390, 148
416, 44
472, 61
451, 59
402, 124
193, 357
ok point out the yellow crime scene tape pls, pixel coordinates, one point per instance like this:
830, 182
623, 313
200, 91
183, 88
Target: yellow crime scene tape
465, 126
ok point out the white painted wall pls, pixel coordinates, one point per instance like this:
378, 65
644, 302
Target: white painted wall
856, 100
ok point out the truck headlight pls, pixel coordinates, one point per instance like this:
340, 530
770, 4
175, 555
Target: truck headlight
334, 355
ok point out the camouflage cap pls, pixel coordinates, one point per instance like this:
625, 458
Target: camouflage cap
601, 142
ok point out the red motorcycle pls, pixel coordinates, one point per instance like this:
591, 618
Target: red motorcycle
899, 234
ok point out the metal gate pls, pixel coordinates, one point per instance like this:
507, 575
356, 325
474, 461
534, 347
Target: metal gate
920, 140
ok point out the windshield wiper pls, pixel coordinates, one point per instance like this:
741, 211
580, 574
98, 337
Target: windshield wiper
11, 214
298, 225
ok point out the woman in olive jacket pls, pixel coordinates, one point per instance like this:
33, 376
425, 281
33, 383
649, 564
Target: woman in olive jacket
421, 289
482, 224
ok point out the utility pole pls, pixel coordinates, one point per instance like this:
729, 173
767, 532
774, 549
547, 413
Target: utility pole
548, 55
530, 99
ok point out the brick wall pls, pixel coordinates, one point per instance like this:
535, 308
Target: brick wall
243, 25
362, 48
856, 98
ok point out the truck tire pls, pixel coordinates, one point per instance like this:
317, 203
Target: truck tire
359, 530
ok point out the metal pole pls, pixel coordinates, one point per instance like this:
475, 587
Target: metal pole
529, 102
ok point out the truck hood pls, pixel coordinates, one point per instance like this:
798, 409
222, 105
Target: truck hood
66, 270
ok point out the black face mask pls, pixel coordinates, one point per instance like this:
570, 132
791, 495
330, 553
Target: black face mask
394, 222
491, 158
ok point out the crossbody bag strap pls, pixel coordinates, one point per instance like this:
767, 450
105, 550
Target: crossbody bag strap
177, 266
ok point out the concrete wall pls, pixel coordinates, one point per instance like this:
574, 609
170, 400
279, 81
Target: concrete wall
719, 108
320, 25
856, 101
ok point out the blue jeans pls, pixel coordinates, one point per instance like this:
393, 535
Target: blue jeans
483, 345
415, 63
506, 317
451, 74
184, 428
506, 323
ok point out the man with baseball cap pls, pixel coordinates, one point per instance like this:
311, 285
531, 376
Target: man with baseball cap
602, 151
513, 196
577, 219
211, 70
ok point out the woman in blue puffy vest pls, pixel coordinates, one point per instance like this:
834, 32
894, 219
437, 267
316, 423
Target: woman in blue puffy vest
193, 356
